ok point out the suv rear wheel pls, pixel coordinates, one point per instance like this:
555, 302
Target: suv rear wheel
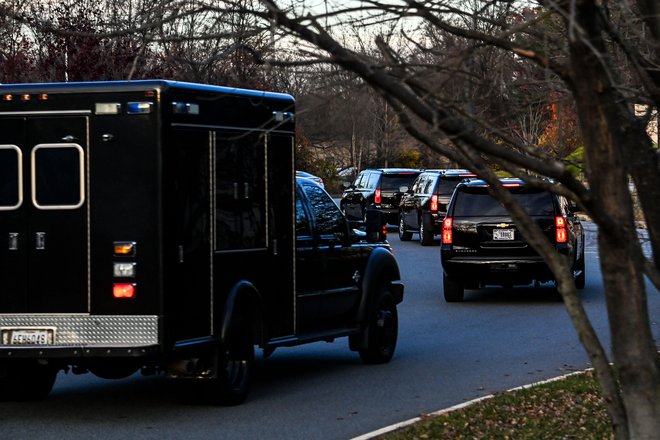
404, 235
454, 289
425, 234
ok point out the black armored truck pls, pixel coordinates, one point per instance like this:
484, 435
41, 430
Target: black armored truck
158, 226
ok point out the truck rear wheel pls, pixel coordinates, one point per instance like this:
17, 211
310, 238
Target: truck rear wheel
26, 381
382, 333
234, 368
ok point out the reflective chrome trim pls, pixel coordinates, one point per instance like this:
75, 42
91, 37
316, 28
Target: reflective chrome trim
90, 330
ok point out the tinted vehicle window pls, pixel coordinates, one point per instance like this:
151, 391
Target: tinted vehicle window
373, 181
446, 187
9, 177
361, 181
394, 182
477, 202
329, 219
302, 222
428, 186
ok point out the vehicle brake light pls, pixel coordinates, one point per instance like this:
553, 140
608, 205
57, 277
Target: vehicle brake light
123, 290
561, 235
510, 185
434, 202
447, 233
377, 196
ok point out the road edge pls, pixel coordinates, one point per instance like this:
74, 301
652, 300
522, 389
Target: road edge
405, 423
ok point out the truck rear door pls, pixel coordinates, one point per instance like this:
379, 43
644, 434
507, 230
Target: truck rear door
43, 214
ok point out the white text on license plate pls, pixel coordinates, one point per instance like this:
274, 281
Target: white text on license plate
503, 234
28, 337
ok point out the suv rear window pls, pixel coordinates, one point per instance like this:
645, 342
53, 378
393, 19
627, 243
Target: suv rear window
446, 186
392, 182
473, 202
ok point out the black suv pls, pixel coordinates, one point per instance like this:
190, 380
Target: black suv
424, 206
378, 189
482, 246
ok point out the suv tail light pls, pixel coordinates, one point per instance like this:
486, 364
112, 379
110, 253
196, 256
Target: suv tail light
447, 233
377, 196
561, 236
434, 202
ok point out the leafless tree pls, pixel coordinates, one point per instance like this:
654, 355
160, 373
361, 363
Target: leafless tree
577, 52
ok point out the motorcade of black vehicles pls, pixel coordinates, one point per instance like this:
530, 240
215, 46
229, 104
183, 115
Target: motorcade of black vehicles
158, 226
378, 189
482, 246
424, 205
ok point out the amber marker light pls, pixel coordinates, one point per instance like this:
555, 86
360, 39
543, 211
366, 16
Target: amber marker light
7, 97
124, 248
43, 97
123, 290
25, 97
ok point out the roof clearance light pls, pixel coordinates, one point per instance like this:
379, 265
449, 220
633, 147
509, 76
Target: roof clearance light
107, 108
25, 97
149, 94
7, 97
185, 108
43, 97
123, 290
124, 248
139, 108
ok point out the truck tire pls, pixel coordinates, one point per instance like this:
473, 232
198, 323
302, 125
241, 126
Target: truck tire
26, 381
234, 367
454, 290
383, 329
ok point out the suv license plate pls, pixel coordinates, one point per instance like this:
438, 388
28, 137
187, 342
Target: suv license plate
503, 234
28, 336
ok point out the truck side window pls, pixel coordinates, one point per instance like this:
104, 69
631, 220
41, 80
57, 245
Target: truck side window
10, 184
302, 222
328, 217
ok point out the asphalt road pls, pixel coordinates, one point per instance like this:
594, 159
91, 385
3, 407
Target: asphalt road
447, 354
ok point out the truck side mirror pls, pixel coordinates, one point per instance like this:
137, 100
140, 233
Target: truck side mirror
375, 226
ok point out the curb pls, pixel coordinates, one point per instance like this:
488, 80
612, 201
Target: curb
397, 426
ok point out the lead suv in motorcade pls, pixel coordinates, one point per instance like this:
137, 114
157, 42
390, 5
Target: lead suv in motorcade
481, 244
378, 189
424, 205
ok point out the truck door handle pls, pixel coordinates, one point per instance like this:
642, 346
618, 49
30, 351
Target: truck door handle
13, 241
40, 240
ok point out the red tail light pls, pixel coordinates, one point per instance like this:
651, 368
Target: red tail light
561, 236
434, 202
123, 291
447, 233
377, 196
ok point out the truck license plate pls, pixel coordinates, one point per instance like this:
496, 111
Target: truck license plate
28, 336
503, 234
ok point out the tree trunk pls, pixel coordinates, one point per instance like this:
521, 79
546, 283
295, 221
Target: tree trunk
604, 119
